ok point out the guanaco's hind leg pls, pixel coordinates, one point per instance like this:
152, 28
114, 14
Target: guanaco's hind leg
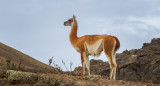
109, 49
114, 60
113, 66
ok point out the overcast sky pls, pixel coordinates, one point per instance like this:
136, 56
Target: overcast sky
35, 27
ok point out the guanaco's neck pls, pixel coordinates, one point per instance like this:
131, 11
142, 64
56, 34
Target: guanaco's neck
73, 34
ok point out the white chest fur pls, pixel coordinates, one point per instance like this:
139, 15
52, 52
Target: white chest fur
94, 49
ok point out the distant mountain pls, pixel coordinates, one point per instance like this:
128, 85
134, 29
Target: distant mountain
133, 65
11, 58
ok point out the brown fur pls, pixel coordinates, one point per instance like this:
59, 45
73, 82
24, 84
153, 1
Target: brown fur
110, 43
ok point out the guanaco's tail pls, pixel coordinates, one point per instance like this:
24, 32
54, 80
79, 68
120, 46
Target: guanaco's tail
117, 43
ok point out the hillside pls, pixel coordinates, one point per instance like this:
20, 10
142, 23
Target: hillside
13, 59
133, 65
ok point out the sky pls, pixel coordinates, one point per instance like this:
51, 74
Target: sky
35, 27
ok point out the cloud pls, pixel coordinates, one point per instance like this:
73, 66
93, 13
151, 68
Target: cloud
132, 31
151, 21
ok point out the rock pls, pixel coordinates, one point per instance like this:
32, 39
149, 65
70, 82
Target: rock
141, 64
155, 73
95, 62
133, 51
127, 60
145, 45
145, 60
155, 41
126, 52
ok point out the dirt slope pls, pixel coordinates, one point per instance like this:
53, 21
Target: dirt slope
11, 58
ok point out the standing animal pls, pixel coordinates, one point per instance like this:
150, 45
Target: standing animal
93, 45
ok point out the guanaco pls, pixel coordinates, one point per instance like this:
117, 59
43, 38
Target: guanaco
93, 45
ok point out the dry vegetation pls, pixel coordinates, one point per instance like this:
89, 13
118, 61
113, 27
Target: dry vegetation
14, 78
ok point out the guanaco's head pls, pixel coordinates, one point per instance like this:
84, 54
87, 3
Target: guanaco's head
70, 21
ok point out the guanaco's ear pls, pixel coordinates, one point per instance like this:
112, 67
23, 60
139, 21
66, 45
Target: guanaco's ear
74, 17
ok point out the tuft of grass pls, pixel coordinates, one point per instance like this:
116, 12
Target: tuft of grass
15, 77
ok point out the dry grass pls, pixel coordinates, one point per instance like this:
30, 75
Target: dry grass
93, 80
18, 78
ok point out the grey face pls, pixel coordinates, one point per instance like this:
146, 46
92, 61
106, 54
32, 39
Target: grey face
68, 22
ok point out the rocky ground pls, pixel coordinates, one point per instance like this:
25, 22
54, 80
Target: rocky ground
18, 78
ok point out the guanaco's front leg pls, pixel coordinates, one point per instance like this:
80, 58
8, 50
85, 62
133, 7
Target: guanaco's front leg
83, 64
